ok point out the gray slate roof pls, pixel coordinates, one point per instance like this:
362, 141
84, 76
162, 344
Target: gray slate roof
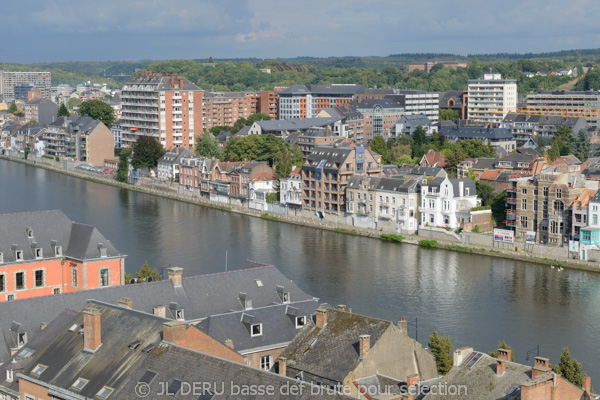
199, 297
174, 156
281, 125
335, 352
393, 185
323, 89
414, 120
78, 241
467, 182
278, 325
462, 133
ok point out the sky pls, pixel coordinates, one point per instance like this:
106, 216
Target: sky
82, 30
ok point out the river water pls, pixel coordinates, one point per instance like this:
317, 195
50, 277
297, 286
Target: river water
476, 300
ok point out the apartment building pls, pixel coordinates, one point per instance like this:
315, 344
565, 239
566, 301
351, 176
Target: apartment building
224, 108
526, 127
426, 65
41, 110
385, 199
44, 253
456, 100
164, 106
306, 101
587, 102
290, 189
419, 102
379, 116
499, 137
353, 121
327, 171
544, 204
447, 202
10, 79
491, 98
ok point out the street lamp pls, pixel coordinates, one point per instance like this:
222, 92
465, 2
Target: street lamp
532, 352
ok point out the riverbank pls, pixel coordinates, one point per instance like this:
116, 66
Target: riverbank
435, 239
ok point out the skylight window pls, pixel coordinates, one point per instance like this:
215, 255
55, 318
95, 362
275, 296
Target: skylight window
79, 384
105, 392
39, 369
259, 283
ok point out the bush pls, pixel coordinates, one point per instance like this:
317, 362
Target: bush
269, 217
479, 208
48, 157
475, 229
428, 243
395, 238
57, 159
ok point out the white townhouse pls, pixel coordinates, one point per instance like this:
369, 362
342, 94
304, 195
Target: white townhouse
446, 202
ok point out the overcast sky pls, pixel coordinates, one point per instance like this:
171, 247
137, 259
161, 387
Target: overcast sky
70, 30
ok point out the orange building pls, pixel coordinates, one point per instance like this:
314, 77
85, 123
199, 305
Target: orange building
224, 108
44, 253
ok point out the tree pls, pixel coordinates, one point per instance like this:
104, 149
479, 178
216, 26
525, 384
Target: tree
449, 115
485, 193
123, 168
287, 159
12, 108
541, 144
26, 152
406, 159
99, 110
145, 272
239, 124
453, 158
582, 146
146, 152
502, 345
441, 347
72, 102
499, 208
63, 111
257, 117
475, 148
378, 145
208, 146
32, 122
243, 148
562, 141
419, 138
569, 368
215, 130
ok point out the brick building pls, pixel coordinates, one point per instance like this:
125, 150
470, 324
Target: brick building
44, 253
426, 65
327, 171
306, 101
41, 110
224, 108
164, 106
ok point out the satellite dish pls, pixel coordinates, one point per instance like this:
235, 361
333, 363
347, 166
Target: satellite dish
132, 281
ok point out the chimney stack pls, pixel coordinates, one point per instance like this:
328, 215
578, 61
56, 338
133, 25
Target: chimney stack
541, 362
176, 275
341, 307
587, 383
92, 334
321, 317
412, 380
460, 355
282, 364
229, 343
504, 354
174, 332
160, 311
500, 367
364, 345
403, 325
125, 302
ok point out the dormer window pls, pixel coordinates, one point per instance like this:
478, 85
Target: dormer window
19, 255
38, 253
179, 314
22, 339
58, 251
256, 330
29, 233
300, 321
1, 257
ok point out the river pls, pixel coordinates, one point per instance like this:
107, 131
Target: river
476, 300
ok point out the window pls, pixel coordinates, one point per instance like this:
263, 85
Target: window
595, 219
523, 204
20, 280
446, 219
38, 253
256, 330
546, 191
79, 384
56, 291
105, 392
524, 191
39, 278
19, 255
2, 283
22, 339
266, 362
300, 321
523, 221
558, 193
39, 369
10, 297
104, 277
74, 277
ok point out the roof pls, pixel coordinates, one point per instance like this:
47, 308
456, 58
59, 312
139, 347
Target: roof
384, 184
462, 133
174, 156
484, 163
244, 131
434, 159
328, 157
489, 175
199, 297
467, 184
46, 230
348, 89
278, 321
585, 197
335, 351
415, 170
265, 176
369, 104
160, 82
415, 120
39, 100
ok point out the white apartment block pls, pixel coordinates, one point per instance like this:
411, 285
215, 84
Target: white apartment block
420, 102
9, 79
491, 98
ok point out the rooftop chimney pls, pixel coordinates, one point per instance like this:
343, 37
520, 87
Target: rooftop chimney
175, 275
321, 317
539, 370
341, 307
403, 325
282, 364
459, 355
504, 354
92, 335
412, 380
364, 345
160, 311
541, 362
174, 332
125, 302
587, 383
229, 343
500, 367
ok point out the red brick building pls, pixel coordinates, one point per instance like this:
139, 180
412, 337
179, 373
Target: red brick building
44, 253
224, 108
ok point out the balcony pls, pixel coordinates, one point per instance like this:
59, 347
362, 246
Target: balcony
510, 223
510, 200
